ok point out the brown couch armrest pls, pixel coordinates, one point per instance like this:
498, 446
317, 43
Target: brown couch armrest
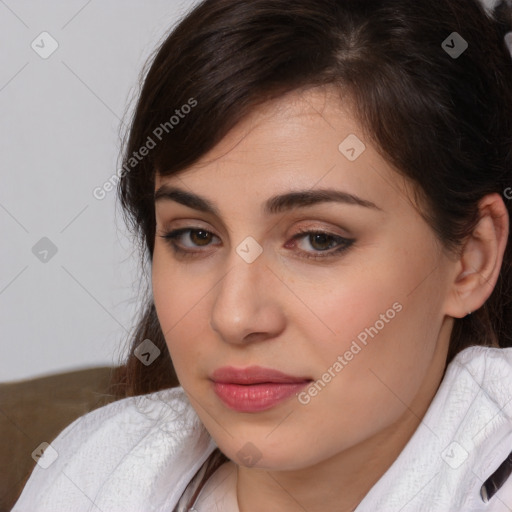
37, 410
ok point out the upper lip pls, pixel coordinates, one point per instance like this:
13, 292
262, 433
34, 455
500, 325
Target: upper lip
252, 375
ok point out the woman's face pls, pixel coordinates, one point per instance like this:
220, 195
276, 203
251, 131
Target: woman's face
358, 311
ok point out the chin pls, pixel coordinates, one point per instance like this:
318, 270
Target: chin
266, 456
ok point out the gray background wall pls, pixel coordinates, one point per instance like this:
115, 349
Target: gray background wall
59, 139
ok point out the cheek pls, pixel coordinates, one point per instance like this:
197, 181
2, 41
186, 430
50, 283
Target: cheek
181, 304
373, 385
378, 339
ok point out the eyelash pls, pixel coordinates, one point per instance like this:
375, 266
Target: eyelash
345, 243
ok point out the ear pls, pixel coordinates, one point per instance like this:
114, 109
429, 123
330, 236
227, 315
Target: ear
477, 269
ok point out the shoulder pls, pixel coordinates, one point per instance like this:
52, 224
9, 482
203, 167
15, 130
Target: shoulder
115, 454
478, 384
480, 378
489, 366
125, 421
487, 372
480, 354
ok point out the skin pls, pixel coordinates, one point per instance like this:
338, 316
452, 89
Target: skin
298, 315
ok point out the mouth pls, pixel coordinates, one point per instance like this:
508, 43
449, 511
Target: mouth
255, 388
254, 375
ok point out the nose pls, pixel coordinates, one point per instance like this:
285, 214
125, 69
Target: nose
246, 307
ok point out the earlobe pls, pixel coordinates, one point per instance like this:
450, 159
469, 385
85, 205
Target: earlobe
481, 258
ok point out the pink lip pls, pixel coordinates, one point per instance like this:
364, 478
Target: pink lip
254, 388
253, 375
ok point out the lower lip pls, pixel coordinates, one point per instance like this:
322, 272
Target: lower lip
256, 397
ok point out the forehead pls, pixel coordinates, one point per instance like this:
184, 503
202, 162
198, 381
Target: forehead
300, 141
274, 129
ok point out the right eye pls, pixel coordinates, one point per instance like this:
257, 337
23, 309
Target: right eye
198, 236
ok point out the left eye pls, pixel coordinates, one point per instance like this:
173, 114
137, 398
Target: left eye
320, 241
196, 235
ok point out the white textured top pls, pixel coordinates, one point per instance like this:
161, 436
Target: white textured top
139, 454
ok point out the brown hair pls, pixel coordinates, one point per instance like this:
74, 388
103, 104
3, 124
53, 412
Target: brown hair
443, 121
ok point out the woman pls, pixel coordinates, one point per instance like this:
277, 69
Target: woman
321, 190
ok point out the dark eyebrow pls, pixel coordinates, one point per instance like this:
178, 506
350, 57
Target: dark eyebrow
275, 204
